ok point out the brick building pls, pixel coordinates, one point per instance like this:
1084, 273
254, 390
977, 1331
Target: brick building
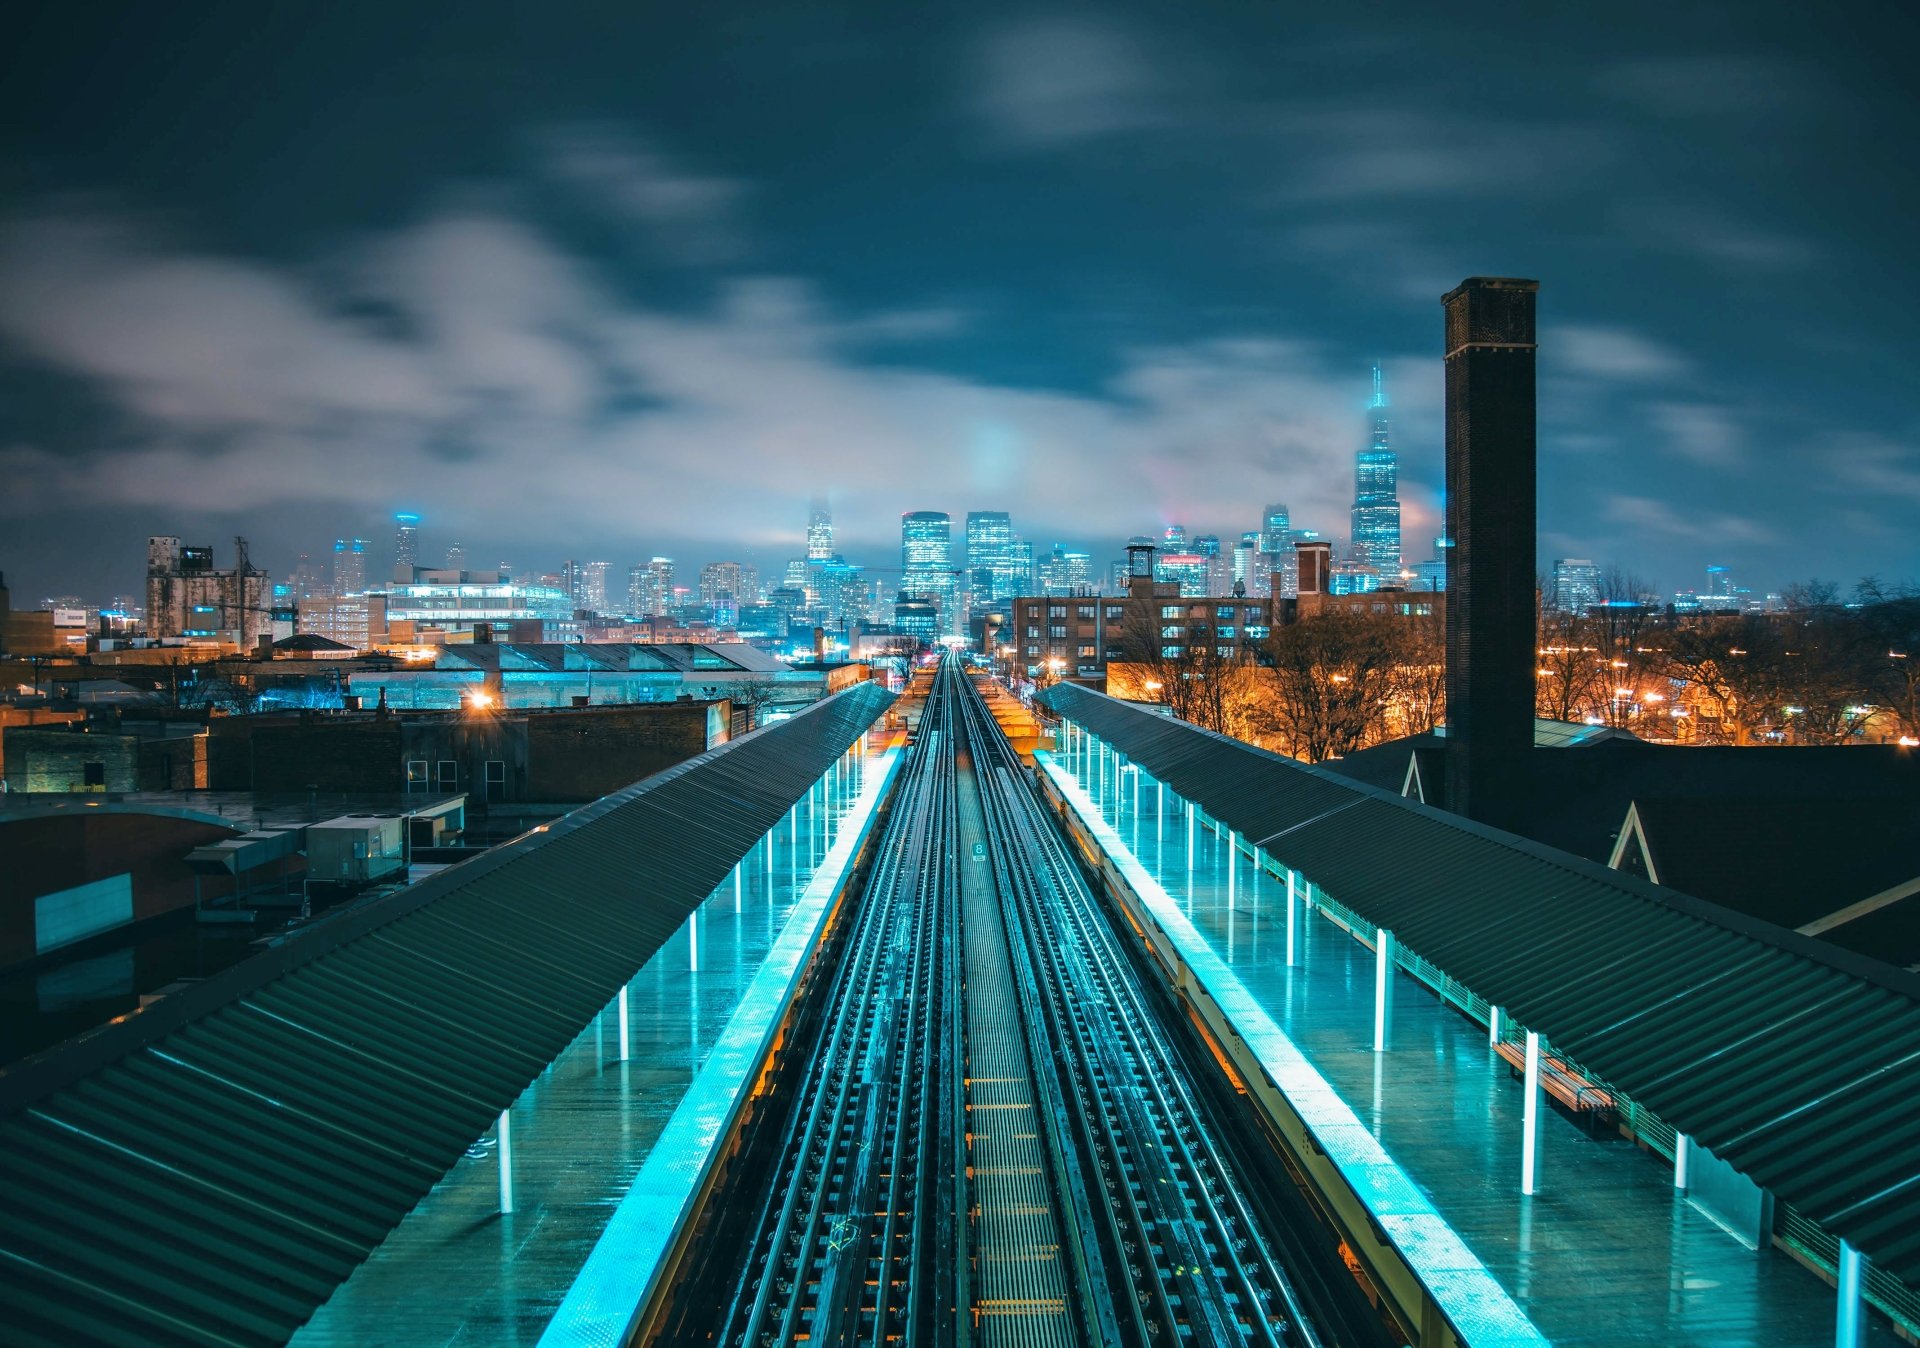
1078, 637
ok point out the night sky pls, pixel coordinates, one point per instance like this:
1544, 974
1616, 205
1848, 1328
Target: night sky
612, 280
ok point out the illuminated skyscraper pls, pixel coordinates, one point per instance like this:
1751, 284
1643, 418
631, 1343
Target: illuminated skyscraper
819, 533
1576, 584
349, 566
406, 546
593, 586
1021, 568
1247, 570
926, 561
1219, 564
1376, 496
650, 588
993, 572
1066, 573
1188, 570
1276, 547
721, 582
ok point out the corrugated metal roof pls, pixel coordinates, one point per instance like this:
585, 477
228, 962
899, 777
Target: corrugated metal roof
1795, 1062
210, 1168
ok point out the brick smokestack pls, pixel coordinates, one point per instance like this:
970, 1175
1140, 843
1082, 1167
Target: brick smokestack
1491, 619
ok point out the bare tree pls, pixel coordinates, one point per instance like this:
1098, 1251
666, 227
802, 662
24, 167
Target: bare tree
753, 696
1420, 672
1890, 616
1179, 660
1727, 669
1823, 672
1331, 678
1621, 625
1569, 666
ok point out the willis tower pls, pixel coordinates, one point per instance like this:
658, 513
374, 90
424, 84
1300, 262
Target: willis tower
1376, 495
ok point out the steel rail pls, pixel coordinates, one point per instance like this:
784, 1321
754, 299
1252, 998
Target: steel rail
1223, 1279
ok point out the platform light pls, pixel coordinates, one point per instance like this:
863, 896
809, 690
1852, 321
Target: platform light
1909, 742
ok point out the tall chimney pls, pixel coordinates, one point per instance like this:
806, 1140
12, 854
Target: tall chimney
1491, 619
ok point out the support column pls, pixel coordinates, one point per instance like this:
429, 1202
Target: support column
1232, 868
1292, 939
504, 1155
1530, 1120
1382, 989
626, 1041
739, 885
1682, 1161
693, 941
1493, 1027
1850, 1325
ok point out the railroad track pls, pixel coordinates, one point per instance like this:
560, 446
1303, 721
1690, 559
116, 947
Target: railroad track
989, 1132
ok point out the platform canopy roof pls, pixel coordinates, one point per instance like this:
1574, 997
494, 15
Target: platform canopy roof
209, 1168
1796, 1062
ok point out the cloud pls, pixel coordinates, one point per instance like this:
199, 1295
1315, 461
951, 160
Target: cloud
1702, 433
1713, 235
690, 217
508, 387
197, 343
1697, 527
1049, 82
1613, 354
1371, 150
1703, 86
1881, 468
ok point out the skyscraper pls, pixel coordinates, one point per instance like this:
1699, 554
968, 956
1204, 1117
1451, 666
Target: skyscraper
926, 561
1576, 584
1491, 519
456, 557
1246, 571
1219, 564
1020, 564
724, 582
349, 566
1376, 496
406, 546
1066, 573
819, 533
593, 586
992, 568
1276, 546
650, 588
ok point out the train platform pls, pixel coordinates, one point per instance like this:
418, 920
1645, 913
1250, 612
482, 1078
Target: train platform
1606, 1252
609, 1144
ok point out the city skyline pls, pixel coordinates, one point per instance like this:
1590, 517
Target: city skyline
1127, 270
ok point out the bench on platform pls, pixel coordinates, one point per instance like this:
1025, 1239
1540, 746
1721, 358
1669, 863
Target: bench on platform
1592, 1105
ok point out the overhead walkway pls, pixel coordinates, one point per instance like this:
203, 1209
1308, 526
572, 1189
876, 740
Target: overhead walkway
1774, 1072
212, 1168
